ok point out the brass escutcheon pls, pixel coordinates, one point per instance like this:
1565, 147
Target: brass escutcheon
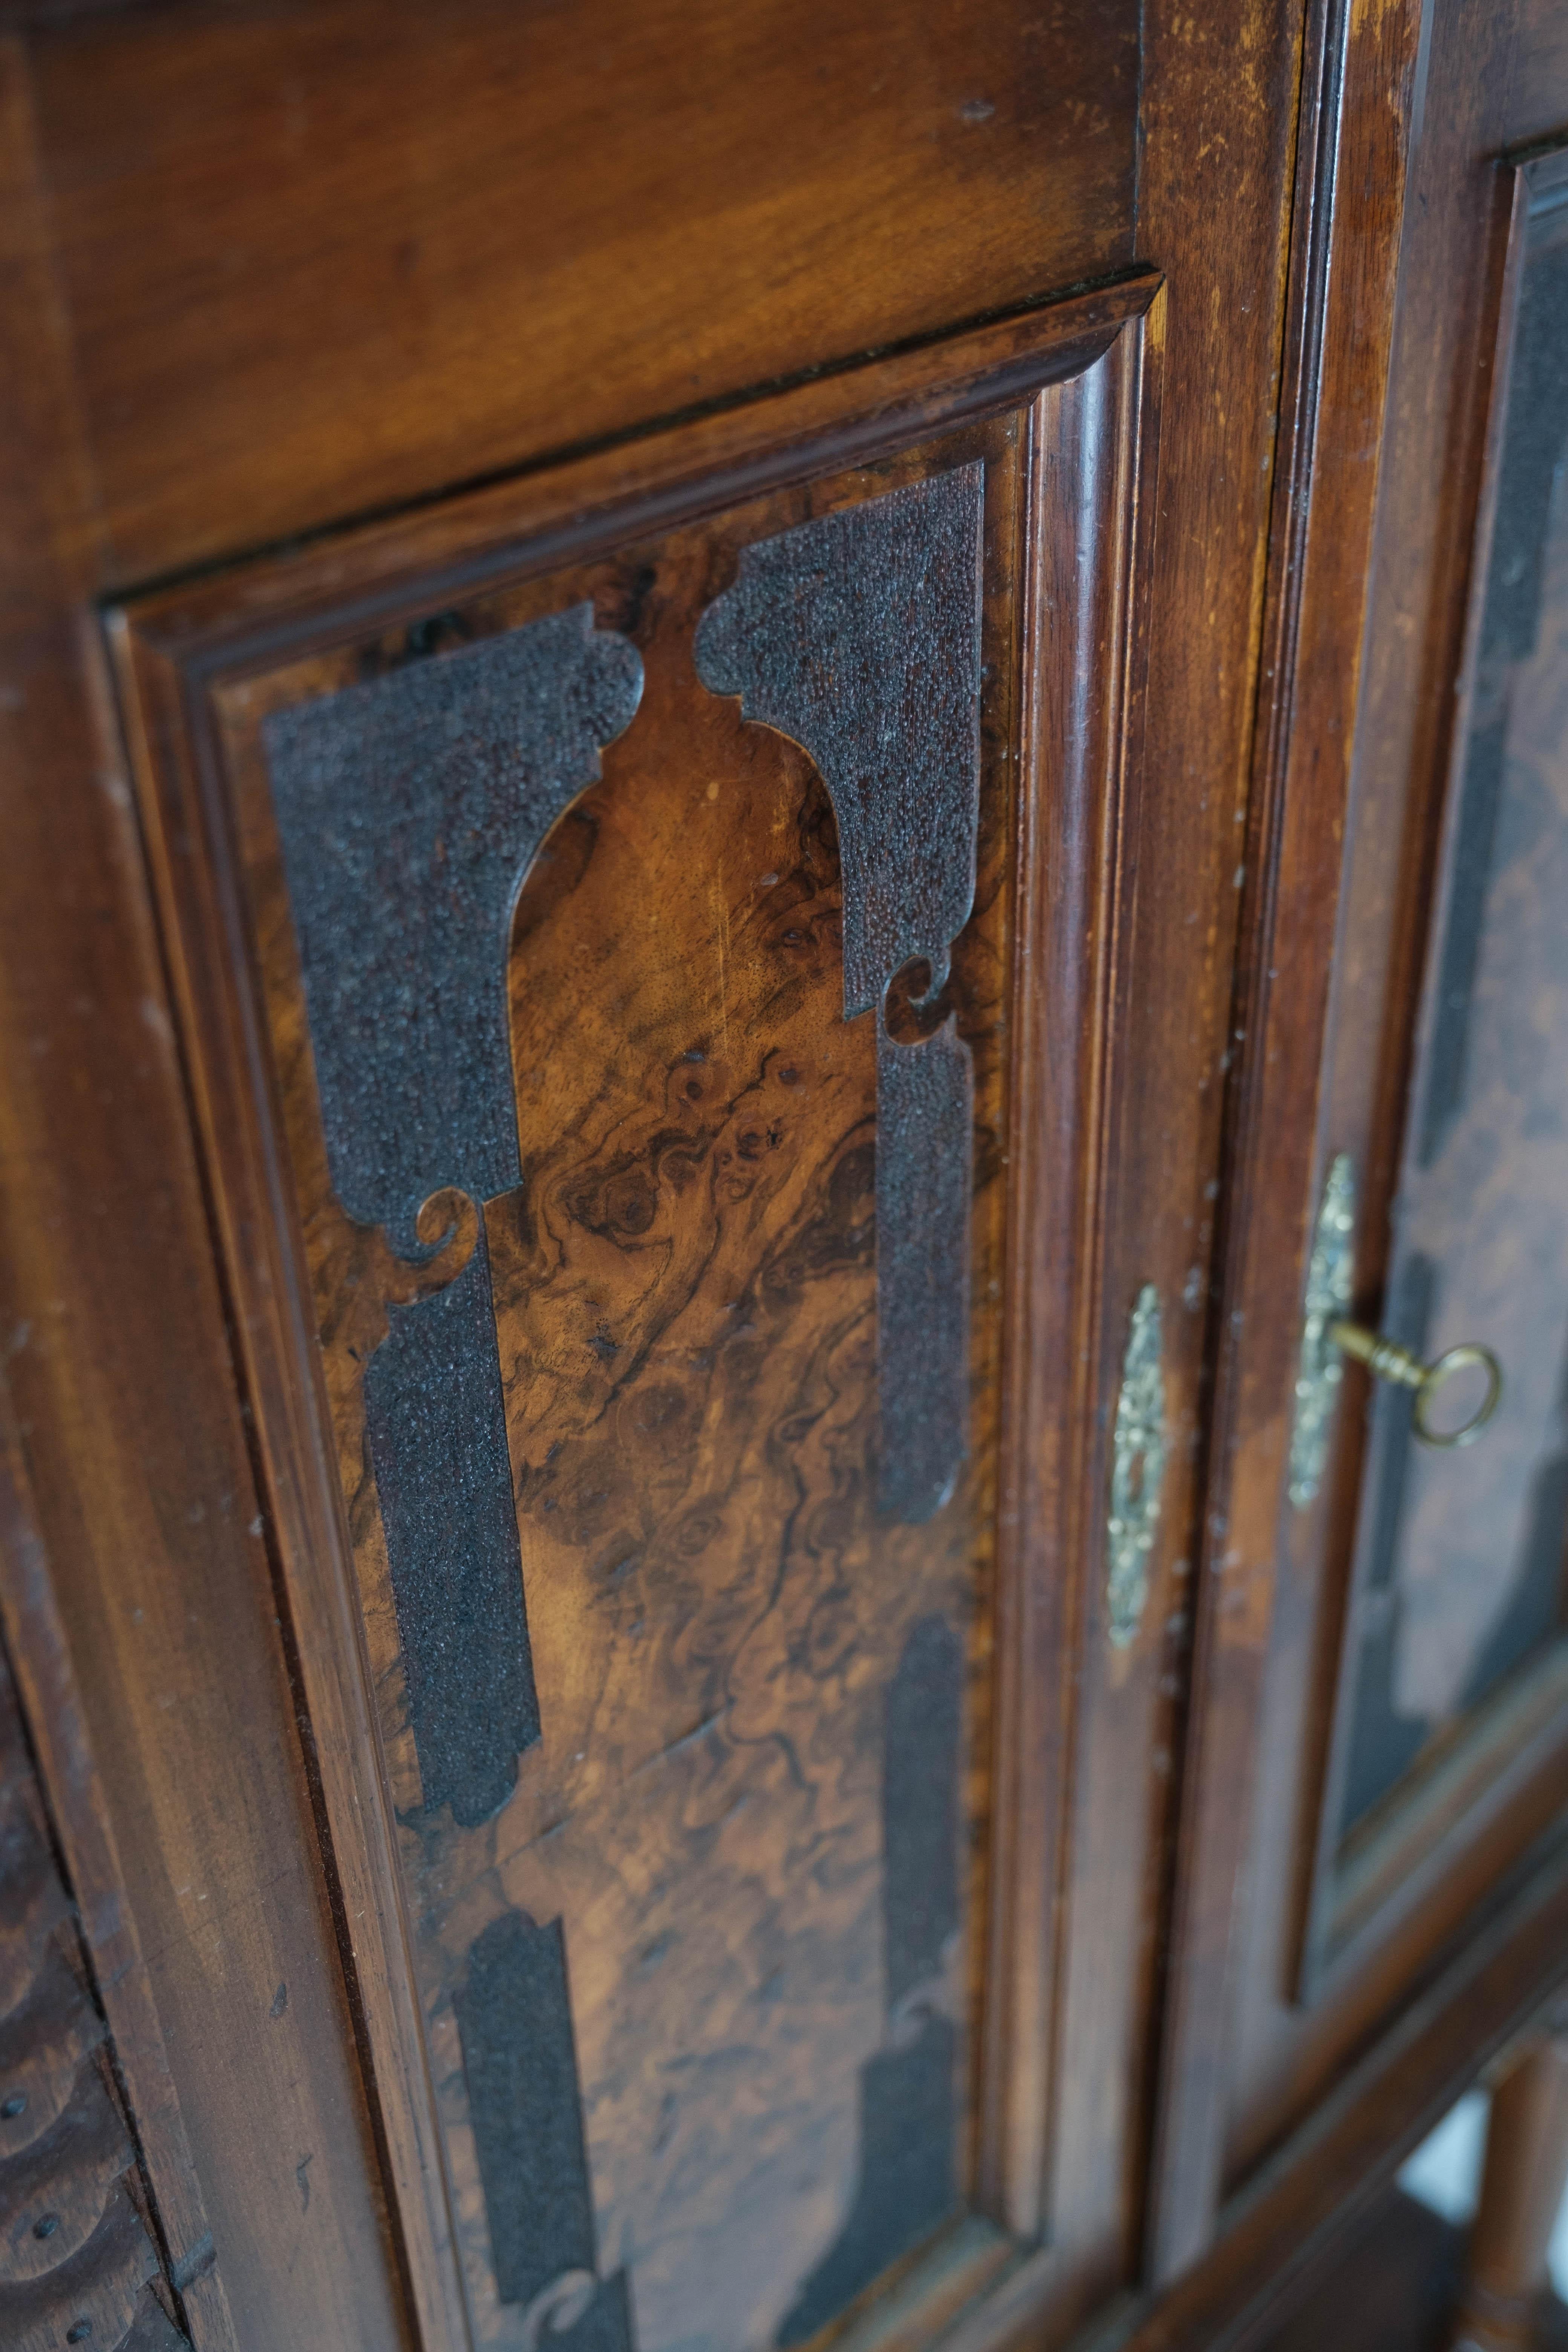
1386, 1359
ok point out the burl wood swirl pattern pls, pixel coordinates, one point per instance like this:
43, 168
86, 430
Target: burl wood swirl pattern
684, 1287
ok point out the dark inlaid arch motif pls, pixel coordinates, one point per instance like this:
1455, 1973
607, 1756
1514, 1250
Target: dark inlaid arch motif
409, 807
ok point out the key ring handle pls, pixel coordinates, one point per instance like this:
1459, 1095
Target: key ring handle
1459, 1359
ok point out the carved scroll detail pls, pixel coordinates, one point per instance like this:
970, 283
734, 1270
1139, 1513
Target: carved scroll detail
1320, 1367
859, 635
1137, 1470
409, 808
77, 2265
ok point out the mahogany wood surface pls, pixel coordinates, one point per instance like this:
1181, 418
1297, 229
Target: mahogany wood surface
133, 1444
82, 1829
344, 336
1390, 2285
324, 260
1321, 2179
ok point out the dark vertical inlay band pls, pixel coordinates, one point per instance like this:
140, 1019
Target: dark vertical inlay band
520, 2064
408, 809
436, 1432
908, 2183
859, 635
925, 1117
920, 1811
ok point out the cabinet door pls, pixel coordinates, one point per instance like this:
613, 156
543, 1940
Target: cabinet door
1404, 1156
631, 633
1454, 1671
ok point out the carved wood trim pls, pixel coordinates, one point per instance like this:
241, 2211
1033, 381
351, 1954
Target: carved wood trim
79, 2258
47, 1693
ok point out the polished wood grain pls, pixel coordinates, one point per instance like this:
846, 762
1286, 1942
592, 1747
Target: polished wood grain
1221, 97
1333, 380
1390, 2285
713, 1609
462, 239
1317, 2180
82, 1829
1085, 499
1386, 2285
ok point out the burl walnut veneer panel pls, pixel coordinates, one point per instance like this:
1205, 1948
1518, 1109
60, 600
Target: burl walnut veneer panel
623, 916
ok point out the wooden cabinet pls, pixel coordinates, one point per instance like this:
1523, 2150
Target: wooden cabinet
730, 781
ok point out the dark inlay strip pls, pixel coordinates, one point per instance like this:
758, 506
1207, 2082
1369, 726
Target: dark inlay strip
920, 1811
859, 635
436, 1425
520, 2064
908, 2183
409, 809
925, 1116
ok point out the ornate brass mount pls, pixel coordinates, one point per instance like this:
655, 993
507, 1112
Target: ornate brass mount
1137, 1470
1386, 1359
1319, 1369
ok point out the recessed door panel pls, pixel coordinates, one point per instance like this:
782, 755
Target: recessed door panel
631, 913
671, 1503
1453, 1670
1464, 1548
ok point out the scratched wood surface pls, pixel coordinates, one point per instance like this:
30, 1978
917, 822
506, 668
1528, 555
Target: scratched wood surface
684, 1291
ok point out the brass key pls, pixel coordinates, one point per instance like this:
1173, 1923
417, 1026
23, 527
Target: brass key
1387, 1359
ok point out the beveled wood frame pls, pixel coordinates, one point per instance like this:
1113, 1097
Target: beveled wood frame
1083, 371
